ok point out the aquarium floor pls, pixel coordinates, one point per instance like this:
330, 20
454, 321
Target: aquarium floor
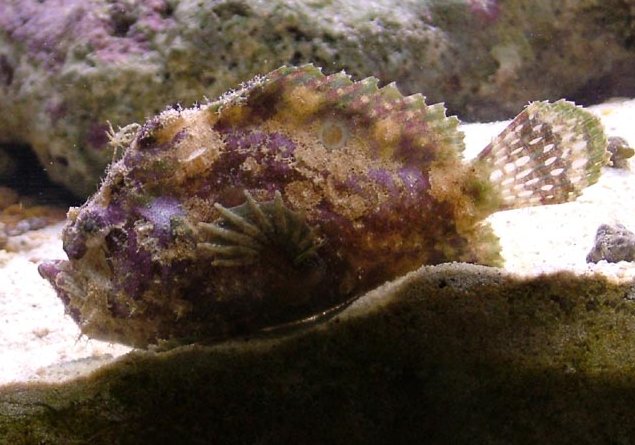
39, 343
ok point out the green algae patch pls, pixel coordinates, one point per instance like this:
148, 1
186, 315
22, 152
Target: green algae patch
447, 354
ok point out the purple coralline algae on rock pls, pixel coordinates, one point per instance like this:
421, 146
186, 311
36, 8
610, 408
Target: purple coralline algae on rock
291, 196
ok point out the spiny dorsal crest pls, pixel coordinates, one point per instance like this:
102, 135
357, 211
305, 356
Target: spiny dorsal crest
421, 124
546, 155
396, 125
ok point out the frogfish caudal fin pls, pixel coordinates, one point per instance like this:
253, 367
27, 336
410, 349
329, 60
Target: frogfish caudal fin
547, 155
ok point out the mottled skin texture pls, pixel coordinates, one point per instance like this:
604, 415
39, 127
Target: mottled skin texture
376, 178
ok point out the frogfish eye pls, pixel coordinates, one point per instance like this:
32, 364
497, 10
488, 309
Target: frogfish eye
333, 135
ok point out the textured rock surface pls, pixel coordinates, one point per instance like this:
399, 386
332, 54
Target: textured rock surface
67, 67
613, 243
450, 354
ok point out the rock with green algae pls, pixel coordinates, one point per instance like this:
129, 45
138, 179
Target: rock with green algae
448, 354
68, 67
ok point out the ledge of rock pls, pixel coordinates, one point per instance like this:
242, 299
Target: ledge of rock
452, 353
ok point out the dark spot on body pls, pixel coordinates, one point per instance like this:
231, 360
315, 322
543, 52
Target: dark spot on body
146, 135
116, 240
264, 102
117, 309
90, 222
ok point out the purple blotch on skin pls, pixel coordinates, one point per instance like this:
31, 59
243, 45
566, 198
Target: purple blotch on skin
160, 212
132, 158
114, 214
281, 144
251, 139
74, 243
111, 215
240, 139
91, 220
411, 153
385, 180
49, 270
354, 183
276, 171
272, 151
414, 181
133, 267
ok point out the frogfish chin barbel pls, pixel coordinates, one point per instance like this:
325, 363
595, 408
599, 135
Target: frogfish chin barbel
291, 196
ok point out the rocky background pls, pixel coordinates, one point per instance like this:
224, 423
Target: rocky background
69, 67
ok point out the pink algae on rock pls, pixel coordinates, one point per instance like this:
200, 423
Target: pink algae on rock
291, 196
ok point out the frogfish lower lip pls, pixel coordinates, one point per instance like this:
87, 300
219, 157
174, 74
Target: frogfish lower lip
50, 269
54, 272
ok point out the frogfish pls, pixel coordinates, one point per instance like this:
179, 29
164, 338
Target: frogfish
289, 197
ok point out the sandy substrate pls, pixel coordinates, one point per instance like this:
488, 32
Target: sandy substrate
39, 343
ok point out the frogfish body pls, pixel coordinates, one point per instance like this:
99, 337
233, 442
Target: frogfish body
293, 195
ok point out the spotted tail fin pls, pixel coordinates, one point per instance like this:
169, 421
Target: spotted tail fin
547, 155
